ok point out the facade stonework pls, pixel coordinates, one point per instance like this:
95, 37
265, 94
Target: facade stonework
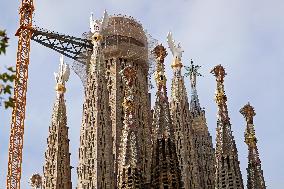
255, 179
202, 139
228, 173
127, 144
165, 166
204, 151
183, 130
129, 159
126, 45
95, 169
57, 169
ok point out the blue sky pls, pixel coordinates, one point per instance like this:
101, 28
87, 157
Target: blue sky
246, 37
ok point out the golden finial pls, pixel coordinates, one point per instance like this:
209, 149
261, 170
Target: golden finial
176, 64
219, 72
160, 54
248, 112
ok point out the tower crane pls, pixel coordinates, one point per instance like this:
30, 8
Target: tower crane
69, 46
20, 90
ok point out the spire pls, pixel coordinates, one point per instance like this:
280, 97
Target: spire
202, 140
95, 169
162, 123
228, 172
129, 165
180, 114
254, 171
165, 172
194, 103
57, 169
177, 53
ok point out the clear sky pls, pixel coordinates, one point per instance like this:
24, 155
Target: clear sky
246, 37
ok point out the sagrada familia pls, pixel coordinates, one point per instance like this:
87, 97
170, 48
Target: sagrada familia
125, 143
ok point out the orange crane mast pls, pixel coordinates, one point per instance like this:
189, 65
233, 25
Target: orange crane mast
78, 49
20, 90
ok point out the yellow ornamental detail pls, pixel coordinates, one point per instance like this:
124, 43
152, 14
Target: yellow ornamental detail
250, 140
220, 97
128, 105
97, 37
177, 63
160, 78
60, 88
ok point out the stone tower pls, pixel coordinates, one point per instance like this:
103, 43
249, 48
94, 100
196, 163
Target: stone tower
228, 174
201, 136
182, 123
95, 169
255, 178
165, 171
129, 157
125, 44
57, 169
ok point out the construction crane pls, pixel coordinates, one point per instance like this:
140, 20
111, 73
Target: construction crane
72, 47
20, 90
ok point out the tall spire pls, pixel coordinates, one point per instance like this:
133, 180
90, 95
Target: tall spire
228, 172
194, 103
179, 107
95, 169
165, 167
202, 139
129, 158
57, 169
255, 178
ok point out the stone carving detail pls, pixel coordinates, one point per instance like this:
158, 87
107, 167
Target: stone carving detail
182, 126
129, 158
96, 169
228, 173
57, 169
255, 179
165, 166
202, 140
126, 145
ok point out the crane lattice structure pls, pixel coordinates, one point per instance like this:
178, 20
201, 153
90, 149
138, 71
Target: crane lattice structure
20, 90
69, 46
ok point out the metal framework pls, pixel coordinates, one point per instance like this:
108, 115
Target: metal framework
18, 114
72, 47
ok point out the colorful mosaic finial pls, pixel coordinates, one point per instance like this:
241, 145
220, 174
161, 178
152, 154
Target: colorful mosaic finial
227, 164
160, 54
255, 179
248, 112
219, 72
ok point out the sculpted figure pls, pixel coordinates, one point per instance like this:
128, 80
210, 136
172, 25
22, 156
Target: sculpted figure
176, 50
